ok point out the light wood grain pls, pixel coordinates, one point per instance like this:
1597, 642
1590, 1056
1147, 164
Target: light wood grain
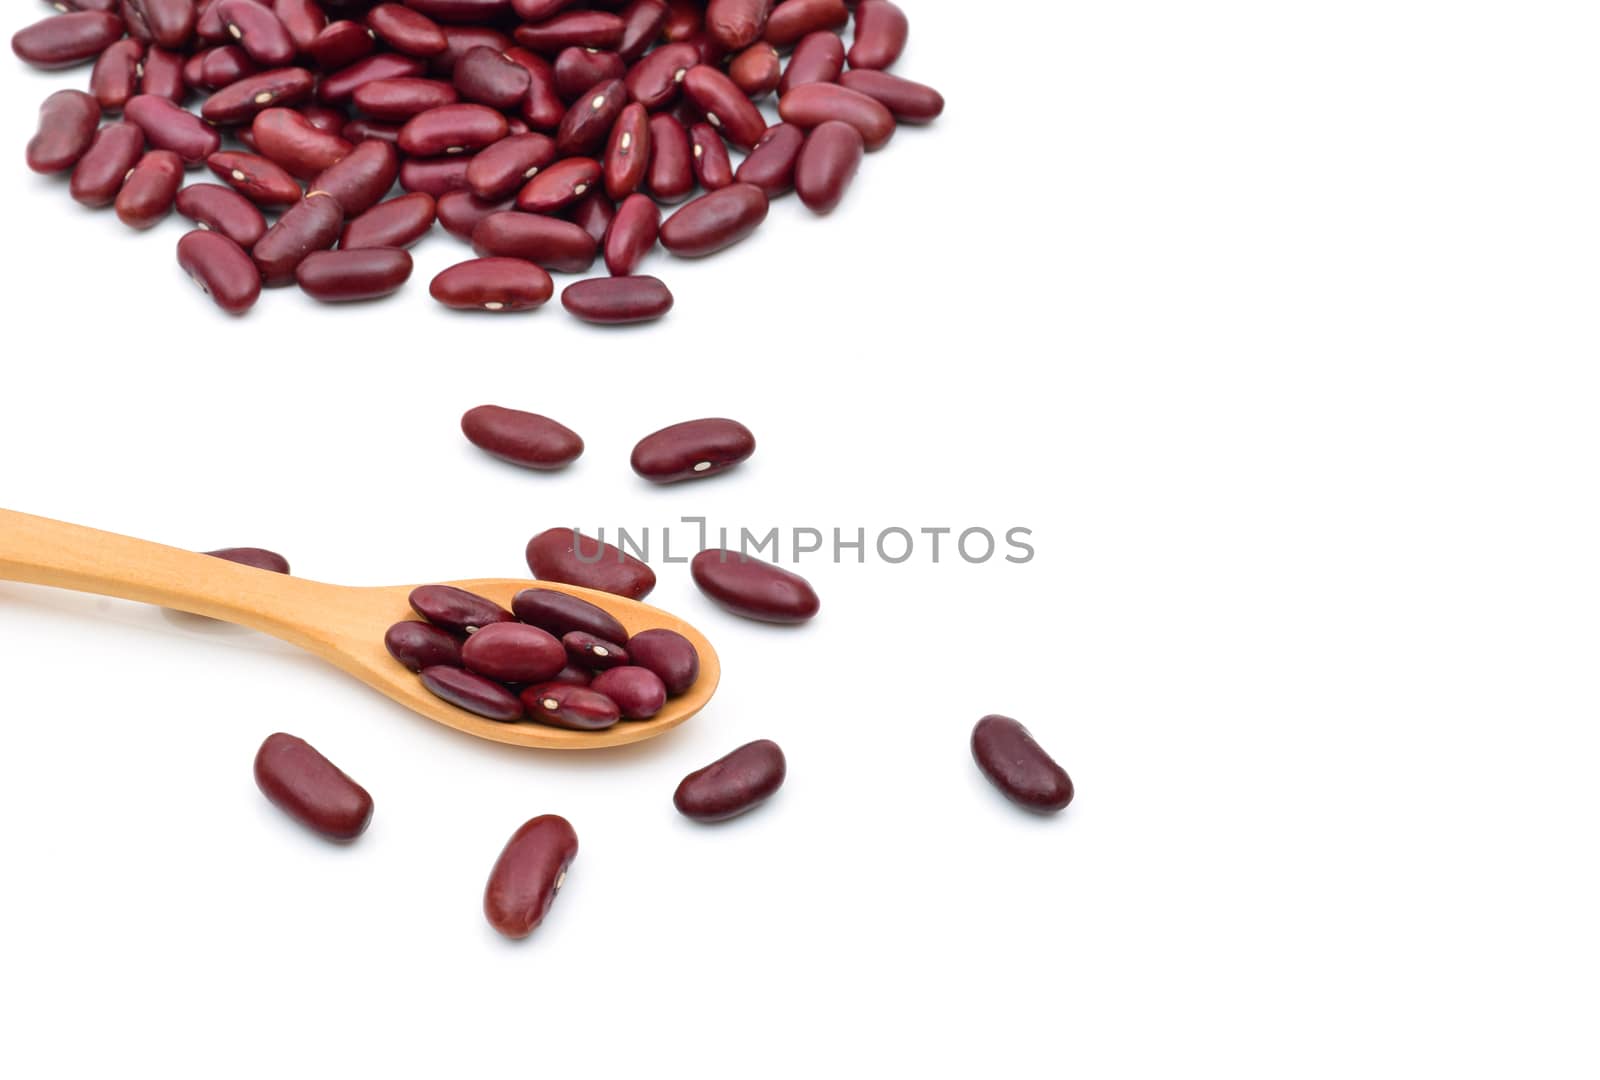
342, 624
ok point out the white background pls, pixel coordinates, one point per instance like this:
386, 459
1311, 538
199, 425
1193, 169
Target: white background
1274, 321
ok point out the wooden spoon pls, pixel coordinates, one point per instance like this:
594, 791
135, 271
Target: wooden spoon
342, 624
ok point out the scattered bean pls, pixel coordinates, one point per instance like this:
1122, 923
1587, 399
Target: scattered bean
731, 785
529, 874
752, 588
311, 789
526, 439
1008, 755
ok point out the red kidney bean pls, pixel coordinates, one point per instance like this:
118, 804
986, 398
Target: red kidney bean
574, 559
828, 162
588, 122
692, 450
418, 645
162, 74
503, 168
241, 101
627, 155
486, 76
756, 71
642, 23
733, 784
1007, 754
169, 23
752, 588
670, 655
577, 71
360, 130
567, 705
168, 126
458, 40
614, 301
685, 18
257, 558
539, 10
529, 874
452, 129
406, 31
222, 270
397, 223
526, 439
670, 177
638, 692
64, 6
401, 99
312, 224
818, 58
303, 19
64, 40
562, 613
311, 789
359, 274
146, 196
341, 86
361, 178
594, 653
500, 285
513, 653
792, 20
549, 242
258, 31
218, 68
770, 166
715, 221
68, 121
725, 106
208, 25
733, 24
101, 170
632, 234
585, 29
456, 610
212, 206
881, 31
341, 44
816, 103
462, 11
437, 176
460, 212
326, 118
293, 142
572, 675
910, 102
473, 693
559, 185
115, 78
654, 82
541, 106
256, 178
711, 165
593, 214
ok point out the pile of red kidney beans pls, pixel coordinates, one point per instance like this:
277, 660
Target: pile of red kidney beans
546, 133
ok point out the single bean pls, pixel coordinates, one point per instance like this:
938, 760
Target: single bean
816, 103
567, 556
303, 19
818, 58
715, 221
168, 126
615, 301
910, 102
65, 40
828, 163
418, 645
500, 285
711, 165
312, 224
670, 655
584, 29
239, 102
461, 212
733, 24
627, 154
462, 11
503, 168
168, 23
402, 98
567, 705
655, 81
792, 20
642, 23
559, 185
257, 558
212, 206
756, 71
577, 71
486, 76
222, 270
257, 179
147, 194
208, 26
770, 166
670, 177
327, 119
115, 78
632, 234
361, 178
593, 214
258, 31
733, 784
406, 31
99, 173
1008, 755
473, 693
456, 610
529, 874
340, 87
752, 588
360, 130
592, 652
218, 68
881, 31
562, 613
292, 141
436, 176
452, 130
397, 223
692, 450
725, 106
163, 74
68, 122
311, 789
531, 441
541, 106
512, 652
638, 692
550, 242
586, 125
361, 274
685, 18
340, 44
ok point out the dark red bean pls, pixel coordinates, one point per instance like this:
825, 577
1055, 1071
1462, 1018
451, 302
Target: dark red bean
258, 31
115, 78
311, 789
296, 144
459, 40
567, 705
501, 169
397, 223
341, 86
486, 76
685, 18
500, 285
168, 126
881, 31
593, 214
513, 653
585, 127
692, 450
222, 270
68, 121
526, 439
257, 179
752, 588
819, 58
361, 178
169, 23
64, 40
559, 185
670, 177
212, 206
828, 162
456, 610
792, 20
642, 23
638, 692
359, 274
360, 130
816, 103
529, 874
670, 655
473, 693
756, 71
595, 653
460, 212
312, 224
715, 221
571, 558
406, 31
241, 101
614, 301
436, 176
341, 44
326, 118
711, 165
451, 130
550, 242
217, 68
147, 194
208, 26
462, 11
731, 785
303, 19
257, 558
101, 170
539, 10
627, 155
656, 80
1007, 754
572, 675
770, 166
584, 29
576, 71
632, 234
910, 102
562, 613
733, 24
725, 106
419, 645
163, 74
401, 99
541, 106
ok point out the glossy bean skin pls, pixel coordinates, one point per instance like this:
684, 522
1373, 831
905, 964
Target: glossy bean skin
99, 174
559, 185
168, 23
312, 224
406, 31
253, 176
340, 44
593, 214
881, 31
670, 655
910, 102
692, 450
570, 706
526, 439
642, 23
68, 122
656, 81
770, 166
361, 129
459, 40
725, 106
587, 124
529, 874
212, 206
731, 785
816, 103
733, 24
711, 164
303, 19
163, 74
617, 301
792, 20
539, 10
222, 270
1013, 762
595, 653
670, 177
341, 86
456, 610
359, 274
627, 153
462, 11
326, 118
217, 68
397, 223
461, 212
572, 675
819, 57
541, 106
311, 789
493, 284
293, 142
632, 234
828, 163
477, 695
574, 559
756, 71
638, 692
435, 176
560, 613
240, 102
419, 645
685, 18
715, 221
361, 178
554, 244
486, 76
400, 99
754, 589
258, 558
147, 194
258, 31
502, 169
576, 71
513, 652
65, 40
168, 126
452, 130
115, 78
583, 29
